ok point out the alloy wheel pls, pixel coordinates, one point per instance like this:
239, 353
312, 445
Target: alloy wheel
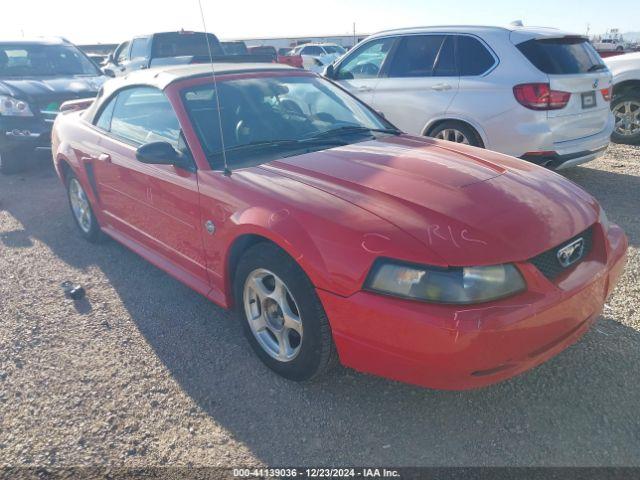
273, 315
80, 205
627, 115
453, 135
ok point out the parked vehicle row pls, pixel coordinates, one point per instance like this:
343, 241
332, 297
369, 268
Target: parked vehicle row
538, 94
289, 59
334, 235
172, 48
270, 53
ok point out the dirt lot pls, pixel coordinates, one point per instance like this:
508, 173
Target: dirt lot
146, 372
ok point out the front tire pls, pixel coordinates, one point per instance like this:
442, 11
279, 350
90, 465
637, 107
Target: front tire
458, 132
283, 318
82, 212
626, 110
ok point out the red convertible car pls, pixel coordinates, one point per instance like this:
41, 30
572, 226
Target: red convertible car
337, 237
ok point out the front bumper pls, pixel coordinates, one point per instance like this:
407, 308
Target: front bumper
456, 347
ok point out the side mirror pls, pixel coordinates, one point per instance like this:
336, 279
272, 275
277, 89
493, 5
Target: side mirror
329, 71
161, 153
109, 72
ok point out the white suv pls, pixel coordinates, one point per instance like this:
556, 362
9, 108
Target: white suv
535, 93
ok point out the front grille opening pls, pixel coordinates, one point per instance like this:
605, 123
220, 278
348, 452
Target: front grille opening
548, 263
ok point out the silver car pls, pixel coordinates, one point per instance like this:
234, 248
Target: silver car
534, 93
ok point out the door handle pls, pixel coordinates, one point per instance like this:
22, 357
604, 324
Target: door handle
441, 86
365, 89
103, 157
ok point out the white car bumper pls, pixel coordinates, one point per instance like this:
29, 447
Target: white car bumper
568, 153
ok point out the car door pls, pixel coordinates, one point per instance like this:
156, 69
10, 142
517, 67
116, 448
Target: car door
480, 100
140, 53
359, 71
418, 82
156, 206
119, 60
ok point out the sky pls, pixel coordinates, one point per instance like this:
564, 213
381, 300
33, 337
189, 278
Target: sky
112, 21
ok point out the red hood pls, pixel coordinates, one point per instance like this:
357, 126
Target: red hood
470, 206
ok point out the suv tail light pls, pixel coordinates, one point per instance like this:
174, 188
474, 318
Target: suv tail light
606, 94
539, 96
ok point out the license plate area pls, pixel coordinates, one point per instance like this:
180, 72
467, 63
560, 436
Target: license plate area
588, 99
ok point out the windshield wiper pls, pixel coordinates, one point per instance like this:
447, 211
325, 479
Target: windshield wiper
283, 143
598, 66
261, 143
353, 129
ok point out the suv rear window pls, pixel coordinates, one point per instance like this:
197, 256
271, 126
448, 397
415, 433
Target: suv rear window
561, 55
184, 44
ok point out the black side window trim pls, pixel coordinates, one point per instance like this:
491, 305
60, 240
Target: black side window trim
496, 59
456, 63
384, 69
104, 106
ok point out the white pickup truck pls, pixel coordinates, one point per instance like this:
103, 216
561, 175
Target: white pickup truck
626, 97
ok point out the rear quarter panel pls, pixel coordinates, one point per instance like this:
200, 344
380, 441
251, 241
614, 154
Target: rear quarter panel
73, 142
487, 101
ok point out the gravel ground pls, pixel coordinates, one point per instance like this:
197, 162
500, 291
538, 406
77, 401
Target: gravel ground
146, 372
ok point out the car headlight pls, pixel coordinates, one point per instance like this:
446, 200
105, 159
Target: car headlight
603, 220
444, 285
12, 107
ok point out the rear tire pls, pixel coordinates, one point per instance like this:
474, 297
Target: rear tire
82, 212
12, 161
290, 332
458, 132
626, 109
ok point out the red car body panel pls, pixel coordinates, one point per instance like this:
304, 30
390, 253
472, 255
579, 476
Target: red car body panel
292, 60
336, 211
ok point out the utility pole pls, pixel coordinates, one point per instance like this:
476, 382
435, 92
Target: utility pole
354, 34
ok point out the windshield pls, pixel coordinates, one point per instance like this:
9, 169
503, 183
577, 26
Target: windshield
561, 55
31, 60
274, 117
